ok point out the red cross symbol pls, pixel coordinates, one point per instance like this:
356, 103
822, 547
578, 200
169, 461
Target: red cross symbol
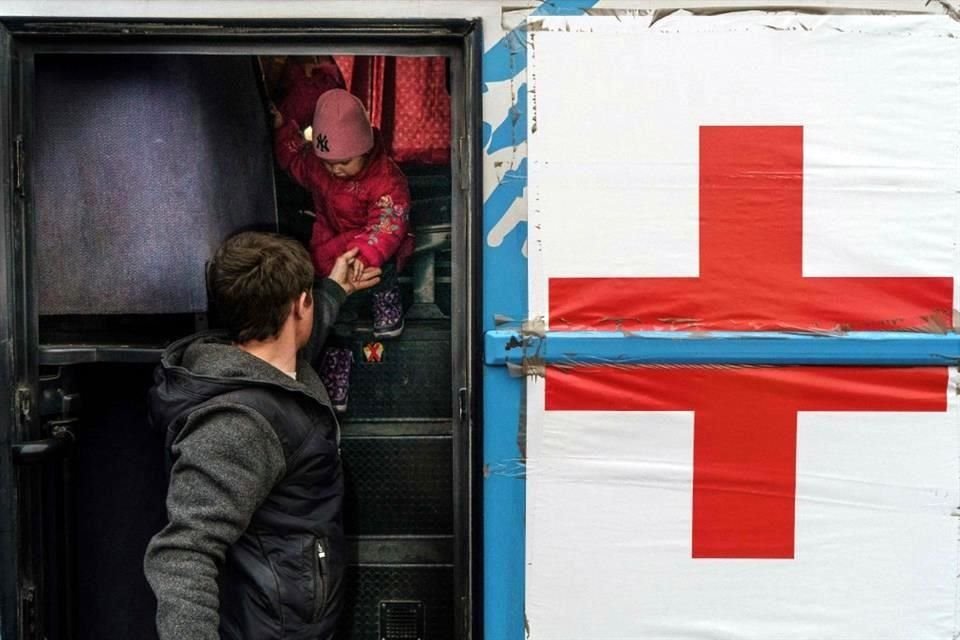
751, 255
745, 432
373, 351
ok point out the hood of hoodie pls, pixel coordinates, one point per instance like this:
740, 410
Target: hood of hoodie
203, 366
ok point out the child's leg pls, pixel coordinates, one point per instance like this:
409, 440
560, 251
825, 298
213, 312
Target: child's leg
388, 279
387, 304
335, 363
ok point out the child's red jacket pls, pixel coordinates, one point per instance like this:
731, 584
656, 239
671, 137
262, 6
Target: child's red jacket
370, 211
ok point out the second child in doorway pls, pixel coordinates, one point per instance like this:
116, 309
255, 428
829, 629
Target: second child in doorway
362, 201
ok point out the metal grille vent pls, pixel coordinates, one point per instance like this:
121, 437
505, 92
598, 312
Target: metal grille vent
401, 620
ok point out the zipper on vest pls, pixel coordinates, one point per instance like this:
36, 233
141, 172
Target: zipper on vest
320, 581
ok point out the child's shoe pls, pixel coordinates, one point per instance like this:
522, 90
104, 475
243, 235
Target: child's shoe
335, 374
387, 313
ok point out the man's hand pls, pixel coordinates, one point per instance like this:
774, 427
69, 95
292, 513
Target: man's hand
344, 273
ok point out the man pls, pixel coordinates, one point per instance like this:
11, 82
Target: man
254, 546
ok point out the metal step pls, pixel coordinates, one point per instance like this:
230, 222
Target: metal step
404, 378
396, 428
405, 551
398, 485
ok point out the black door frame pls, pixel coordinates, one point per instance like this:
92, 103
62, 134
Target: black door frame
21, 557
10, 422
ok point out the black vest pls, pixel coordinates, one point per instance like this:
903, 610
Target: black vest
283, 578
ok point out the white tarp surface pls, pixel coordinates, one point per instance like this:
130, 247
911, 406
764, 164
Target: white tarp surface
617, 115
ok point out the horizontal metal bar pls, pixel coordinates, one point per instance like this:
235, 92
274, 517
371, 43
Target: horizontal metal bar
505, 347
406, 550
241, 47
85, 354
292, 28
41, 451
396, 429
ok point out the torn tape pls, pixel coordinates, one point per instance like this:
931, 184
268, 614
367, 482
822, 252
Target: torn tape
510, 468
534, 327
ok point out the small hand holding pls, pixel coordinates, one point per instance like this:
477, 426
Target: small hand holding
352, 277
368, 278
358, 268
342, 271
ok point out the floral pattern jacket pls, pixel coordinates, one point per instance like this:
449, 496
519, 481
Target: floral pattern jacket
370, 211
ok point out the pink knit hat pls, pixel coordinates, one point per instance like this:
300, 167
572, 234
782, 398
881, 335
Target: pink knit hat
341, 129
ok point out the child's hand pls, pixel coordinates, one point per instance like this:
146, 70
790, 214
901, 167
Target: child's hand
358, 269
342, 272
345, 273
369, 277
277, 116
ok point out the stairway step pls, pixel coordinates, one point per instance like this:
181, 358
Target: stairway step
407, 550
398, 486
395, 428
402, 378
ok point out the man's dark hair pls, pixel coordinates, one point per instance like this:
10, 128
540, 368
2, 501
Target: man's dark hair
253, 280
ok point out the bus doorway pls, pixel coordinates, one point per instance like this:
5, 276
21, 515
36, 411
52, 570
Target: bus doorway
143, 147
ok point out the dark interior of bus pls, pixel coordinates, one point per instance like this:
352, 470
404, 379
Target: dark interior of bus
140, 166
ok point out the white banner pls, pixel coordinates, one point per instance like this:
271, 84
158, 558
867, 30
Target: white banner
749, 171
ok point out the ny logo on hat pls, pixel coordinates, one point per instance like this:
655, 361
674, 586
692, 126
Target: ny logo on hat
321, 142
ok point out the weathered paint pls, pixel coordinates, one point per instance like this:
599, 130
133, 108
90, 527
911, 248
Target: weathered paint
505, 292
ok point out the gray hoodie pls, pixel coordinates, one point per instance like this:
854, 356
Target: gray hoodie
226, 458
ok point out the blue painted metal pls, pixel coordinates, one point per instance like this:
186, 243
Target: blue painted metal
504, 494
508, 57
674, 347
505, 294
505, 268
500, 63
513, 130
504, 502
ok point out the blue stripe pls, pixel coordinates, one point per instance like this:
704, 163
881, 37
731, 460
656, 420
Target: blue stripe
505, 294
513, 130
504, 500
504, 266
504, 347
508, 57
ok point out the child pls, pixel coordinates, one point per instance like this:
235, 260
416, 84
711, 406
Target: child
361, 200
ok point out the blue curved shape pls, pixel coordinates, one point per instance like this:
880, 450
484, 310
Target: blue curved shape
502, 62
504, 266
487, 132
563, 7
511, 187
513, 130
